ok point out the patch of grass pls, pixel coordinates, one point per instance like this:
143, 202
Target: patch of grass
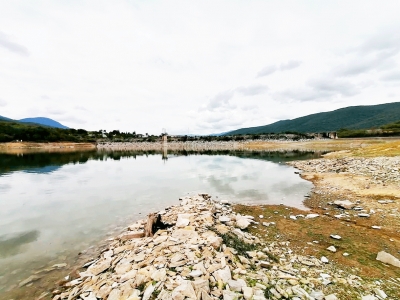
233, 241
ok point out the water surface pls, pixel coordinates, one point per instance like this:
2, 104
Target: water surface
54, 205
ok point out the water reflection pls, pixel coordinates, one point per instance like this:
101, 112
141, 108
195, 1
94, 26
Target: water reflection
10, 246
61, 203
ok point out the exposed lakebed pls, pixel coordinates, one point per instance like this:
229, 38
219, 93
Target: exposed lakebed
54, 205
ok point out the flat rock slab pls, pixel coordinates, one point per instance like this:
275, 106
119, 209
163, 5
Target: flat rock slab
388, 259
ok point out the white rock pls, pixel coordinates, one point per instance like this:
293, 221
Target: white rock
261, 216
224, 219
346, 254
196, 273
183, 220
331, 248
324, 260
381, 294
388, 259
247, 293
229, 295
148, 292
331, 297
336, 237
369, 297
242, 223
184, 289
236, 285
312, 216
346, 204
293, 217
363, 215
223, 274
376, 227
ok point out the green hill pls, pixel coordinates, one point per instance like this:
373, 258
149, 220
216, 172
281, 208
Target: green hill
353, 117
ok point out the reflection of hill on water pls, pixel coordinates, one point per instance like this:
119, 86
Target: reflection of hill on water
10, 246
50, 162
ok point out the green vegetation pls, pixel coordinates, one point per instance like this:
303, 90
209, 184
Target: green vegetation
354, 117
391, 129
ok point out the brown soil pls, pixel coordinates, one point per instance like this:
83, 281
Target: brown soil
15, 148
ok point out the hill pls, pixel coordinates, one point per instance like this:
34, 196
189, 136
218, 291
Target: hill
44, 121
353, 117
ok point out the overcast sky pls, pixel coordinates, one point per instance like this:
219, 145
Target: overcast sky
194, 66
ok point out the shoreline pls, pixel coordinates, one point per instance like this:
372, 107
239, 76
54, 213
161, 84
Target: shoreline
290, 227
207, 250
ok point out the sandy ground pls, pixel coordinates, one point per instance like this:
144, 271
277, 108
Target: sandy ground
23, 147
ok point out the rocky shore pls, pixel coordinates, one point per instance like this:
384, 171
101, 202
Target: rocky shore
202, 249
189, 145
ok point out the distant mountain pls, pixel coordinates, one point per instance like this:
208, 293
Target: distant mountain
5, 119
44, 121
352, 117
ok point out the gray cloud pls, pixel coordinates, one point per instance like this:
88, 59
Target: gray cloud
291, 64
55, 111
220, 100
376, 53
252, 90
321, 89
268, 70
3, 102
6, 43
394, 76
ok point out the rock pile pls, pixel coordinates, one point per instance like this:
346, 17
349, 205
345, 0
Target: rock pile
204, 252
381, 169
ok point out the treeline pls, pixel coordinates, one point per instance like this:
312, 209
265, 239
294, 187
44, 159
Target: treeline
391, 129
14, 131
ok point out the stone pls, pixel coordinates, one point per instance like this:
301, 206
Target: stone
331, 248
388, 259
148, 292
312, 216
376, 227
236, 285
324, 260
229, 295
114, 295
183, 220
185, 289
369, 297
336, 237
242, 223
331, 297
224, 219
381, 294
99, 267
223, 274
293, 217
362, 215
247, 293
29, 280
346, 204
131, 235
196, 273
159, 275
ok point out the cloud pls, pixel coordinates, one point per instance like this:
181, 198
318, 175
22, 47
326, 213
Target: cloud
220, 100
6, 43
291, 64
394, 76
55, 111
321, 89
252, 90
376, 53
71, 119
3, 102
268, 70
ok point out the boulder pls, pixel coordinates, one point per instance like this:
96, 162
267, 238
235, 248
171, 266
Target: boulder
388, 259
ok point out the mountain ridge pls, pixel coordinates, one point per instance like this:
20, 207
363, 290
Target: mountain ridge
351, 117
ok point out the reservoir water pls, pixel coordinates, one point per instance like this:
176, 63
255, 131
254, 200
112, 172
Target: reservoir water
55, 205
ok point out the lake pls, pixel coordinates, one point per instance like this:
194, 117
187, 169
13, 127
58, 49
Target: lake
55, 205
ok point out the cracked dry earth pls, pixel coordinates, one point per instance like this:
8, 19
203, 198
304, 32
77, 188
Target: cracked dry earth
208, 252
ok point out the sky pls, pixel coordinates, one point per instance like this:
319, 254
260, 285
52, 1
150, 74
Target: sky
194, 67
